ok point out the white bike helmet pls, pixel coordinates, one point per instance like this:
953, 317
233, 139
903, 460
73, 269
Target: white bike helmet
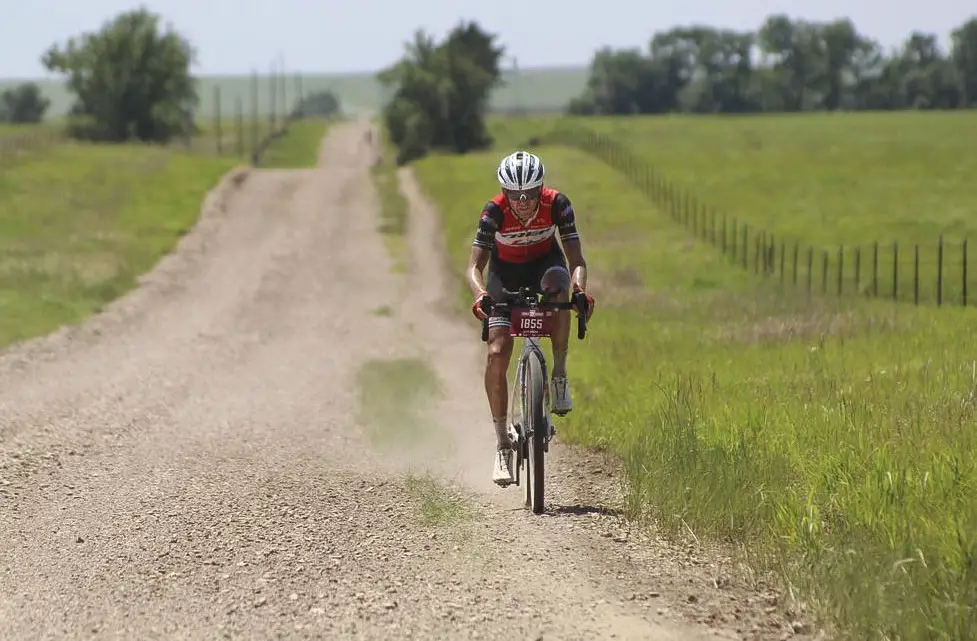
521, 170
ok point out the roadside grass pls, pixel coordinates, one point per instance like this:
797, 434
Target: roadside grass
392, 396
835, 438
437, 504
210, 139
299, 148
225, 139
17, 141
79, 223
393, 205
7, 128
229, 137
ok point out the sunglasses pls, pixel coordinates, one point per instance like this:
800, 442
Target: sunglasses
525, 194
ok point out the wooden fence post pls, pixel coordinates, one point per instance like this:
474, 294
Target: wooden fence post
895, 271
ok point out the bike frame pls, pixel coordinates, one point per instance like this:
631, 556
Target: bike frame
529, 446
530, 349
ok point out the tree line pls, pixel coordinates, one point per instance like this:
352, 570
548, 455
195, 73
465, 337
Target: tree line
23, 104
439, 91
784, 66
131, 80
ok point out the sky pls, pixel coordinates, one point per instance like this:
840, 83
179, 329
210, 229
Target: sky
338, 36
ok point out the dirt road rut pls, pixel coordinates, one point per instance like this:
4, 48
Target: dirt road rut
188, 464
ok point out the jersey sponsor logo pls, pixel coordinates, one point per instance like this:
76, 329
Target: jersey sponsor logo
527, 237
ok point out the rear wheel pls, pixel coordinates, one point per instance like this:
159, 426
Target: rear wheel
535, 417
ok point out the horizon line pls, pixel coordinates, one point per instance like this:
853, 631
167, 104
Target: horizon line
289, 72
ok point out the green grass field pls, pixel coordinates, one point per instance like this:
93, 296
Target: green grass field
78, 223
825, 178
7, 129
548, 89
297, 149
835, 437
18, 140
228, 136
859, 201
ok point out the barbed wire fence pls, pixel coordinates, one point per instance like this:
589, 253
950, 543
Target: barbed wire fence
921, 273
259, 116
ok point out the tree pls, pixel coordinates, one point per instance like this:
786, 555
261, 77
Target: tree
964, 56
23, 104
801, 65
131, 79
441, 92
323, 104
625, 82
786, 65
926, 77
722, 72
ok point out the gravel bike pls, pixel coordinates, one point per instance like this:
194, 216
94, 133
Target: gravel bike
530, 428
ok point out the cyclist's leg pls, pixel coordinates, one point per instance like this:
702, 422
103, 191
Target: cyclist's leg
499, 275
511, 276
560, 339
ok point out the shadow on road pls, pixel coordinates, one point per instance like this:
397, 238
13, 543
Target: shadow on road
582, 510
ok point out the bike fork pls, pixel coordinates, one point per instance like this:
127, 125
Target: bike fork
517, 436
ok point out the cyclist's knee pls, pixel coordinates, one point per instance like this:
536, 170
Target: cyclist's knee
555, 283
500, 347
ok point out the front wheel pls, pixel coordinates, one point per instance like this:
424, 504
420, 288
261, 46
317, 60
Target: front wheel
535, 417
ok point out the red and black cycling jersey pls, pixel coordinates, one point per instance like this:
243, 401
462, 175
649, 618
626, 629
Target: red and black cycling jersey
511, 241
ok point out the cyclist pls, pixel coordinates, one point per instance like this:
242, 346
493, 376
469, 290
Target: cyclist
516, 239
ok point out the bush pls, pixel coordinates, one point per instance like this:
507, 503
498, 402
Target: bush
23, 104
323, 104
132, 80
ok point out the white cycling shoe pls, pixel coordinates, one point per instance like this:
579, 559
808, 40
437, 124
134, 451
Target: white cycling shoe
560, 396
502, 468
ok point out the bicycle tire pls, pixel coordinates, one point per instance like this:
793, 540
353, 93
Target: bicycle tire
517, 409
536, 417
525, 429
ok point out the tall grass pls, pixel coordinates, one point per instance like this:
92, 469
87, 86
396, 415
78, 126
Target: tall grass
78, 223
836, 438
9, 129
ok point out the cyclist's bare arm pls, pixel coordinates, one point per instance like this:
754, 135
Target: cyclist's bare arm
488, 223
575, 259
476, 266
565, 220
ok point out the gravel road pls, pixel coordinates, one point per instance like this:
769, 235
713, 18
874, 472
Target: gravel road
189, 463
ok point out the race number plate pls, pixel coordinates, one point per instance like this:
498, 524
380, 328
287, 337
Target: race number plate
532, 323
